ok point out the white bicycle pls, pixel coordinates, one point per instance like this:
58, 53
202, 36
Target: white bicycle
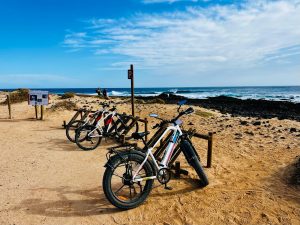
130, 174
89, 136
89, 118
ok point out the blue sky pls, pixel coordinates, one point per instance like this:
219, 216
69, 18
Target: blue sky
91, 43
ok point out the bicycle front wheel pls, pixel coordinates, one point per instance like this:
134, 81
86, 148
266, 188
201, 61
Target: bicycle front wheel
88, 137
117, 183
194, 160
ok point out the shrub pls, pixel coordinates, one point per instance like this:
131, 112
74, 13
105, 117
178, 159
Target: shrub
20, 95
68, 95
63, 105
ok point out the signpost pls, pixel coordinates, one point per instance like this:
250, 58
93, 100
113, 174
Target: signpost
9, 106
131, 77
37, 98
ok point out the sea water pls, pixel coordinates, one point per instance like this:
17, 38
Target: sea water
284, 93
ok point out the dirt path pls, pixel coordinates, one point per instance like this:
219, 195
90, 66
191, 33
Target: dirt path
44, 179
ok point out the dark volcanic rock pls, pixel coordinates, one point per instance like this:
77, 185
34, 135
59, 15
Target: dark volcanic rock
256, 123
243, 122
237, 107
249, 132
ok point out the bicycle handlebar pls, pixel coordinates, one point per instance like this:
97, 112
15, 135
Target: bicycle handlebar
186, 112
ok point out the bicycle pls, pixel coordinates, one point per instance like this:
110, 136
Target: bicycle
89, 136
89, 118
135, 170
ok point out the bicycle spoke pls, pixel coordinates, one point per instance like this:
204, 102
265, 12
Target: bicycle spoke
117, 175
141, 186
134, 189
120, 189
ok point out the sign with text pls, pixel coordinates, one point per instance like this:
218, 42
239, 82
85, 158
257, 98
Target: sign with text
130, 74
38, 97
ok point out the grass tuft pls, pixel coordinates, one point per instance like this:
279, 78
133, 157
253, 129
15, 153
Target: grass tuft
203, 114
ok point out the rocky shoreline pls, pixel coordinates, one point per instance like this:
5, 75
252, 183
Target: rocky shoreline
264, 109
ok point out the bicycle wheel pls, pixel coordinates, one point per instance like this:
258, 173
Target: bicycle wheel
117, 181
193, 159
72, 128
88, 137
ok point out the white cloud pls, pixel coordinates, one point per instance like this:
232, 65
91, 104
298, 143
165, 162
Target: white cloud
199, 39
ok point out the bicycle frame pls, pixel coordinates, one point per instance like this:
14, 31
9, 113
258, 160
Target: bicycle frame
90, 118
111, 114
167, 155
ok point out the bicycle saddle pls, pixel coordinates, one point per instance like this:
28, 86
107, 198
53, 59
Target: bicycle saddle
139, 135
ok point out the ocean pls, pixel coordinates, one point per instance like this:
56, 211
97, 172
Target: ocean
283, 93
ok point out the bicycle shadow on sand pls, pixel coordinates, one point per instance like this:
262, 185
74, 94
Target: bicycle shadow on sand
6, 120
185, 186
66, 145
71, 203
81, 203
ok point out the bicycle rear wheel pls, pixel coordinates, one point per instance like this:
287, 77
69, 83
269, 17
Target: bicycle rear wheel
117, 181
72, 128
88, 137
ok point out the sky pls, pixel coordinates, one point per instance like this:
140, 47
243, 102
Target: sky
171, 43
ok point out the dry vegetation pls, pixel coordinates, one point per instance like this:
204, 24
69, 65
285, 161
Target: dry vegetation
63, 105
20, 95
68, 95
203, 113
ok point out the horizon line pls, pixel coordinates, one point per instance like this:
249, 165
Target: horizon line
151, 87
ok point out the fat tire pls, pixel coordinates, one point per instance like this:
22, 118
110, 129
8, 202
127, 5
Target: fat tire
200, 171
106, 182
194, 160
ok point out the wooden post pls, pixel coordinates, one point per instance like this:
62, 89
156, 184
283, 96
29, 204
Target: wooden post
131, 77
42, 112
146, 129
209, 149
9, 106
36, 111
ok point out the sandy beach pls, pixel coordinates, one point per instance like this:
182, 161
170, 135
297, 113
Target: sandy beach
45, 179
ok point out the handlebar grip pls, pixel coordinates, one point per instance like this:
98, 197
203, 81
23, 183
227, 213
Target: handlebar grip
189, 110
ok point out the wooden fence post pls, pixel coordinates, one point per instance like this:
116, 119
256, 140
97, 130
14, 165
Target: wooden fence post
9, 106
36, 111
42, 112
209, 149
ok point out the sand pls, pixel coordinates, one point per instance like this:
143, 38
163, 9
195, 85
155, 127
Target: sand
45, 179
